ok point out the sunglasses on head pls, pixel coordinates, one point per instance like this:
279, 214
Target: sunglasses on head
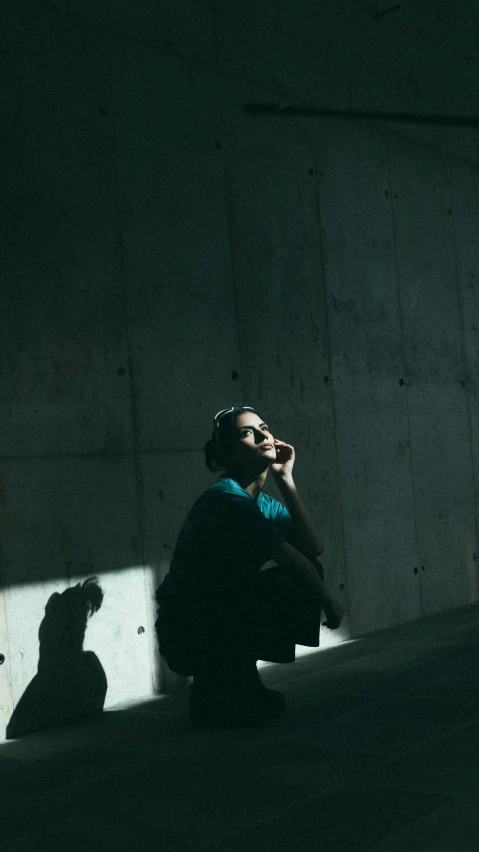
225, 411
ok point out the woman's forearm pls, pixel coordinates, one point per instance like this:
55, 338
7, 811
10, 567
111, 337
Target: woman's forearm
308, 538
298, 566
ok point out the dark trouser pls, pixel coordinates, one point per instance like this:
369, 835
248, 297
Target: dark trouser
263, 621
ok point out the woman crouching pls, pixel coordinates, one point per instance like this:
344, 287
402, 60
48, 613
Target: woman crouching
218, 612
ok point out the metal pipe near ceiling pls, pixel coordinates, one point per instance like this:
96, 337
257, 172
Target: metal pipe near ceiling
284, 109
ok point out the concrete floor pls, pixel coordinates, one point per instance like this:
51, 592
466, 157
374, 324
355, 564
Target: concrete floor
378, 752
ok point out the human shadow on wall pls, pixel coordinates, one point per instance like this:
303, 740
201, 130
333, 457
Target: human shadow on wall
70, 683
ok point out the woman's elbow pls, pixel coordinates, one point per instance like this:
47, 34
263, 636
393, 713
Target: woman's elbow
311, 549
310, 552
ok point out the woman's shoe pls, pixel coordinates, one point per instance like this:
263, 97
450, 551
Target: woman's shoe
275, 699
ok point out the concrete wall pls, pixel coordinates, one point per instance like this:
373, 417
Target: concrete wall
164, 255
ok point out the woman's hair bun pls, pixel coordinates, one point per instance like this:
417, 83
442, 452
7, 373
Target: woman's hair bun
213, 457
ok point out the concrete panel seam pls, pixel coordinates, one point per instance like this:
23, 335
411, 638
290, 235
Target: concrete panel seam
333, 405
393, 226
133, 402
464, 350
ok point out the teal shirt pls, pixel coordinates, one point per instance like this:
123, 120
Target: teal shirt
226, 538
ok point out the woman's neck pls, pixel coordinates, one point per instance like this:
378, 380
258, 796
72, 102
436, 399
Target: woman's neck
252, 483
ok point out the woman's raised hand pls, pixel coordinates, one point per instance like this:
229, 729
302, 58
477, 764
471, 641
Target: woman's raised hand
285, 456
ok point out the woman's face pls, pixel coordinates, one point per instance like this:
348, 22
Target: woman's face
255, 440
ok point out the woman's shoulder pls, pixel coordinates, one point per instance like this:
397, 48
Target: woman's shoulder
215, 495
226, 485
